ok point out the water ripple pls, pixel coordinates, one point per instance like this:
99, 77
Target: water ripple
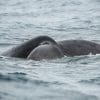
95, 80
13, 77
21, 77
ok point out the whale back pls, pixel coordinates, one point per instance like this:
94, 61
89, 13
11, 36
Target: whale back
23, 50
79, 47
46, 51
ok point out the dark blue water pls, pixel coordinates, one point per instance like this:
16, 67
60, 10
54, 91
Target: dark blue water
69, 78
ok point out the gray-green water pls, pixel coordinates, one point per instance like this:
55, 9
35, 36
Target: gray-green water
69, 78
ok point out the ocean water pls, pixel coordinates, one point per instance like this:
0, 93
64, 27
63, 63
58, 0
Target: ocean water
68, 78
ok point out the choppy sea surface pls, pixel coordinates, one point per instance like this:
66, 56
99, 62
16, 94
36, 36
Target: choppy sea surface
69, 78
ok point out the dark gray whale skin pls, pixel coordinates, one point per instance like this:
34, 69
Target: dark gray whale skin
68, 47
23, 50
47, 50
79, 47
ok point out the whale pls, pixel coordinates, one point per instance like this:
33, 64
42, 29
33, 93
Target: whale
67, 47
79, 47
47, 50
24, 49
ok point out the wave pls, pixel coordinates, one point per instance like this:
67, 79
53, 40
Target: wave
22, 77
95, 80
13, 77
